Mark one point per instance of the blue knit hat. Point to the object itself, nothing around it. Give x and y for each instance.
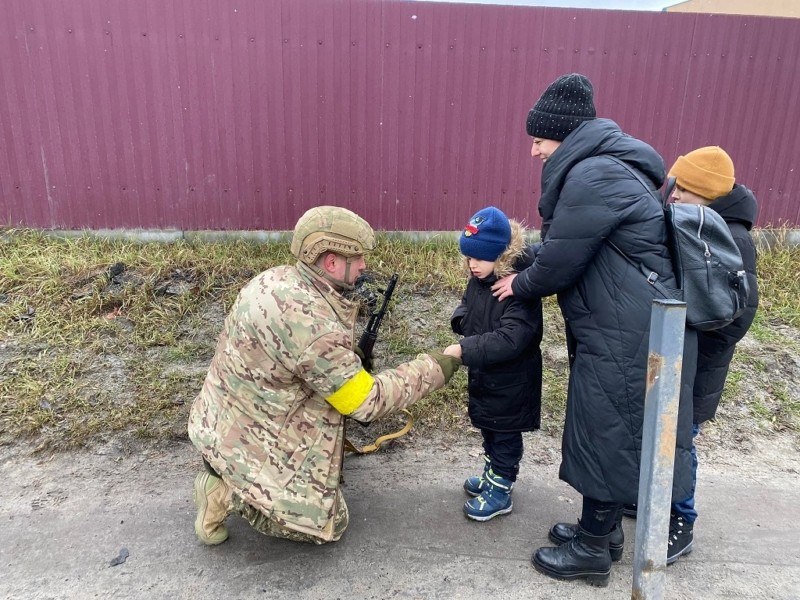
(487, 235)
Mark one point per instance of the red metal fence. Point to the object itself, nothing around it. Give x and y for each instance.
(208, 114)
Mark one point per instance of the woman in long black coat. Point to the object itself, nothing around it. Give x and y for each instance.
(591, 199)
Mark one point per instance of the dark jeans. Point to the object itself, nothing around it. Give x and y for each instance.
(685, 508)
(505, 452)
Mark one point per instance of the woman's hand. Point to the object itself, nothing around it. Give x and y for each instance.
(502, 287)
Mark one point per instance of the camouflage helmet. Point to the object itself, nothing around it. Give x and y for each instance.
(331, 229)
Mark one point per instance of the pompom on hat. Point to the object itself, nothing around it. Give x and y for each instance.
(487, 235)
(564, 105)
(707, 172)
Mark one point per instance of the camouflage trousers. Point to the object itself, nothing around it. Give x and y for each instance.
(268, 526)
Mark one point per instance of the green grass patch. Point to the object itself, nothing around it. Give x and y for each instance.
(778, 281)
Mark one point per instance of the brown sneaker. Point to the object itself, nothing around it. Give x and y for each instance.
(212, 497)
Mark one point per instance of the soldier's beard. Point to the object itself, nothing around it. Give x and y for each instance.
(342, 287)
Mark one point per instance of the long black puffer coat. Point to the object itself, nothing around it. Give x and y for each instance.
(715, 348)
(501, 349)
(587, 199)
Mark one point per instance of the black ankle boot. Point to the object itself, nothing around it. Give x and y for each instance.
(584, 556)
(564, 532)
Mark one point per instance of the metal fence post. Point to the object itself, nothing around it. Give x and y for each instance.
(664, 361)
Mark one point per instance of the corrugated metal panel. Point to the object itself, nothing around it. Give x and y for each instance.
(741, 94)
(215, 115)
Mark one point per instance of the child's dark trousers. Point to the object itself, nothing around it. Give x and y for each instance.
(505, 452)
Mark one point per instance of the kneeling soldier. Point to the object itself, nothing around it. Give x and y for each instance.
(269, 421)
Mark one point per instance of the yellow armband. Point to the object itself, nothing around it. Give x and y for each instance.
(352, 394)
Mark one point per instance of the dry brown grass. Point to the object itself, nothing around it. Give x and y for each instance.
(89, 348)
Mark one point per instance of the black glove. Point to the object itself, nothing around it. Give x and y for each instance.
(449, 364)
(365, 362)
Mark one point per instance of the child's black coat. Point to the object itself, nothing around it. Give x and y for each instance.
(501, 350)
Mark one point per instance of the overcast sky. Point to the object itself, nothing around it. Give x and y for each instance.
(615, 4)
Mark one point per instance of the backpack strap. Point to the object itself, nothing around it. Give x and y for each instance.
(651, 276)
(661, 200)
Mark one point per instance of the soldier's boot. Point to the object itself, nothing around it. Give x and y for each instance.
(212, 497)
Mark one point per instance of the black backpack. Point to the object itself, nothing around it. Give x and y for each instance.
(707, 263)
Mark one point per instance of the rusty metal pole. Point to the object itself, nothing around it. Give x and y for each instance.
(665, 358)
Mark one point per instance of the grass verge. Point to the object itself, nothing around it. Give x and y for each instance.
(98, 336)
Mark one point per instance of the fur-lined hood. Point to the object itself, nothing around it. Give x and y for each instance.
(504, 265)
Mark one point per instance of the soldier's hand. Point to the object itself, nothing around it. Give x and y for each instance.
(448, 363)
(365, 362)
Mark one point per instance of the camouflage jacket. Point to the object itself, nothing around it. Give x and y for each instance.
(264, 418)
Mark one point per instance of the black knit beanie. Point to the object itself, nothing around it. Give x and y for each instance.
(565, 104)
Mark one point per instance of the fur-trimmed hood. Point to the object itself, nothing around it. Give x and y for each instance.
(504, 265)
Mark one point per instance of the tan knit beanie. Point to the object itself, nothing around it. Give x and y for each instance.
(707, 172)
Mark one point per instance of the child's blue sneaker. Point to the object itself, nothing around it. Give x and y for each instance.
(477, 483)
(494, 500)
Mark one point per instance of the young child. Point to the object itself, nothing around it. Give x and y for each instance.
(501, 350)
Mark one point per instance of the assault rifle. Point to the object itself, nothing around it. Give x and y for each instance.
(370, 335)
(365, 346)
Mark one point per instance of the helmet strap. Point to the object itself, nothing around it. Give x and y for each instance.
(339, 284)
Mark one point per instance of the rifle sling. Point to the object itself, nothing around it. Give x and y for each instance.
(350, 447)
